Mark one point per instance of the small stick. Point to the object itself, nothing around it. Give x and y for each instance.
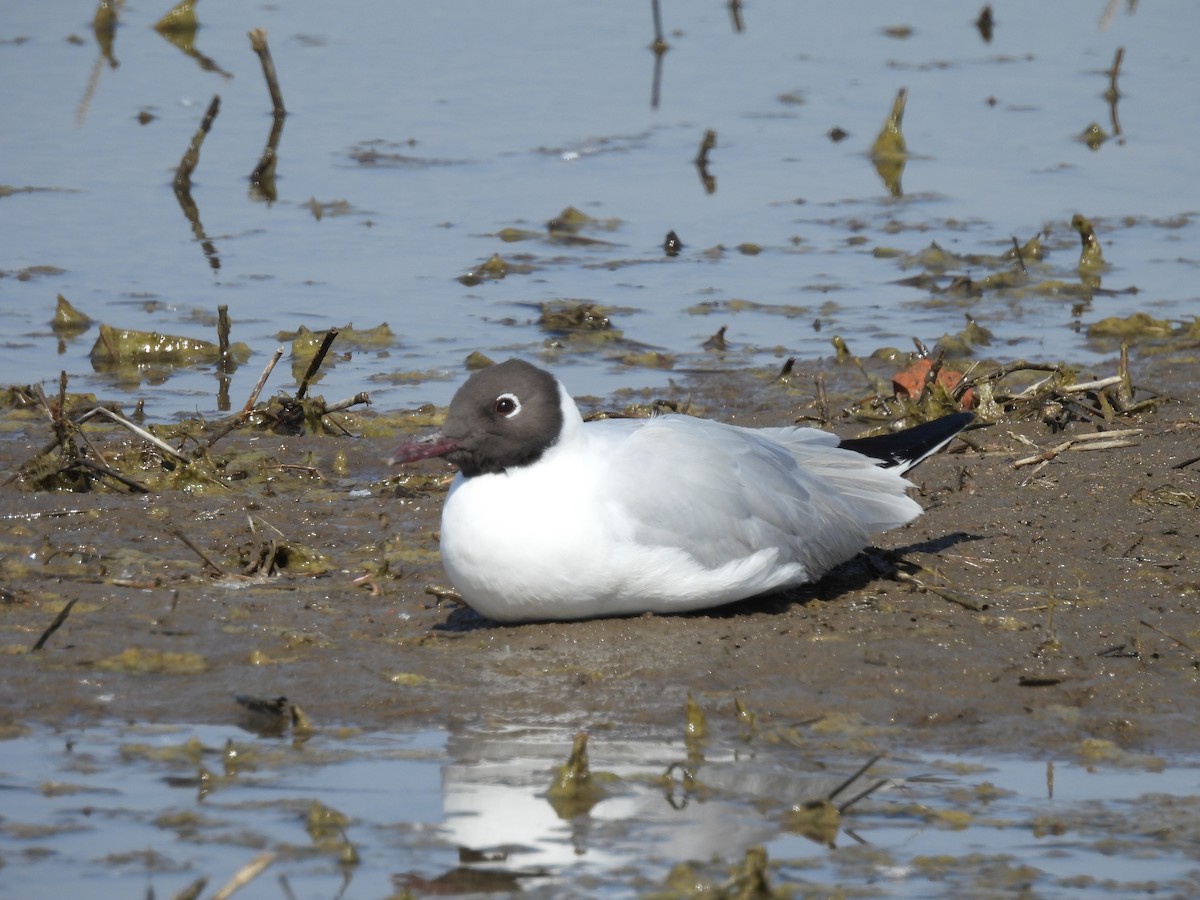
(1125, 388)
(1106, 445)
(941, 592)
(191, 156)
(357, 399)
(1044, 456)
(706, 144)
(1082, 443)
(245, 875)
(1182, 644)
(60, 416)
(258, 43)
(200, 553)
(318, 358)
(114, 474)
(56, 624)
(262, 380)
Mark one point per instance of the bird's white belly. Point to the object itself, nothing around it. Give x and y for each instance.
(517, 551)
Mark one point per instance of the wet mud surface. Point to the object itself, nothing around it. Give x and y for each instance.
(1029, 609)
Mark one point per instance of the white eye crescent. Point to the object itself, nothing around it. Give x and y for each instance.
(508, 405)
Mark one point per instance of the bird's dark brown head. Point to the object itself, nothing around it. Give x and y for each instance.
(504, 416)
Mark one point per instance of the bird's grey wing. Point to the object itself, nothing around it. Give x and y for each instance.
(723, 494)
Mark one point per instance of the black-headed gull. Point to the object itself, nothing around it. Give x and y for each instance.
(552, 518)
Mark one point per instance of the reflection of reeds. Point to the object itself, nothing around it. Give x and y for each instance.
(191, 156)
(262, 179)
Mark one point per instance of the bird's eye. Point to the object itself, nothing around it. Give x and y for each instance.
(508, 405)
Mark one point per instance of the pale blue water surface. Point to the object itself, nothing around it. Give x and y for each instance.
(492, 116)
(118, 811)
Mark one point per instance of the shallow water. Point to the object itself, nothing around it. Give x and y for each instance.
(416, 133)
(115, 811)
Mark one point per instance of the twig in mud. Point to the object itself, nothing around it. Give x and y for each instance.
(200, 553)
(262, 380)
(944, 593)
(315, 363)
(140, 432)
(1099, 440)
(191, 156)
(56, 624)
(111, 473)
(49, 514)
(1186, 646)
(248, 408)
(296, 467)
(245, 875)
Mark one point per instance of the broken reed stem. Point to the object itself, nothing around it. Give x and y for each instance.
(708, 143)
(250, 401)
(1100, 440)
(258, 43)
(56, 624)
(183, 174)
(262, 380)
(357, 399)
(315, 364)
(944, 593)
(200, 553)
(60, 416)
(1098, 384)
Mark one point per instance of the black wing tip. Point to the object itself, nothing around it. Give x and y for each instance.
(905, 449)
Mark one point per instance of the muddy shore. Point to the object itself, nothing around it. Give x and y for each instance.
(1030, 609)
